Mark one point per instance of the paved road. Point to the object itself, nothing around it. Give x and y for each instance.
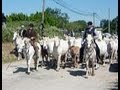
(15, 78)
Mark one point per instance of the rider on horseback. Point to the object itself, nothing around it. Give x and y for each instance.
(22, 31)
(30, 33)
(89, 30)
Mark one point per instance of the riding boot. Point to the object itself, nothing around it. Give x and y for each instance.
(97, 53)
(82, 53)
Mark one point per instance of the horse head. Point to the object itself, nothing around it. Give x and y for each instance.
(26, 42)
(15, 35)
(89, 40)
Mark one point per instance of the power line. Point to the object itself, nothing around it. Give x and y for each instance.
(64, 3)
(72, 10)
(98, 17)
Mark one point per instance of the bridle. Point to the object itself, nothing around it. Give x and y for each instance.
(88, 51)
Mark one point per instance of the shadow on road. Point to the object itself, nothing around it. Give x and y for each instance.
(21, 69)
(113, 67)
(53, 65)
(114, 86)
(77, 73)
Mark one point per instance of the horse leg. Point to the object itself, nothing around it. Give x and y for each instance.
(76, 61)
(42, 62)
(24, 54)
(28, 66)
(87, 69)
(47, 59)
(93, 73)
(64, 63)
(36, 64)
(111, 58)
(114, 55)
(58, 63)
(19, 56)
(96, 64)
(104, 59)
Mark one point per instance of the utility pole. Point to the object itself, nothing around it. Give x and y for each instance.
(42, 23)
(94, 19)
(116, 27)
(109, 20)
(43, 7)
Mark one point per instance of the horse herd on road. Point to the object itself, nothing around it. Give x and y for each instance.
(68, 50)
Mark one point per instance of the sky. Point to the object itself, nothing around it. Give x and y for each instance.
(98, 6)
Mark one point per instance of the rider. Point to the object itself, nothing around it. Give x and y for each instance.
(72, 33)
(22, 31)
(89, 30)
(30, 33)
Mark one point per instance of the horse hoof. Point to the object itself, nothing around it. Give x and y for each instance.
(72, 67)
(96, 68)
(103, 65)
(28, 73)
(86, 77)
(57, 70)
(36, 70)
(93, 74)
(63, 67)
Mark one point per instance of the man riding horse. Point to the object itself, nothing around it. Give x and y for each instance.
(22, 31)
(89, 30)
(32, 35)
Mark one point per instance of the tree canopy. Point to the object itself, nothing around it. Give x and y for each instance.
(113, 25)
(53, 17)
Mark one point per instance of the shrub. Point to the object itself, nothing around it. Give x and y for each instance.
(7, 35)
(53, 31)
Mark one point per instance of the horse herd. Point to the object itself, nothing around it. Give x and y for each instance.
(68, 49)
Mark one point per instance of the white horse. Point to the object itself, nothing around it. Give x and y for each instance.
(29, 53)
(113, 49)
(90, 55)
(24, 46)
(103, 50)
(60, 48)
(18, 41)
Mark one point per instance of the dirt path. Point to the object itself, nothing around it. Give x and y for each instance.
(15, 78)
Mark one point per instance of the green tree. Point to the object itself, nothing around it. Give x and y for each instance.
(113, 25)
